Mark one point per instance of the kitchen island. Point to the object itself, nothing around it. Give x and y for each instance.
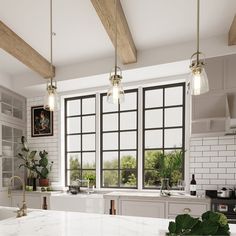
(59, 223)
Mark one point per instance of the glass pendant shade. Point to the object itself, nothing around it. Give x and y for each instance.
(115, 94)
(199, 81)
(51, 98)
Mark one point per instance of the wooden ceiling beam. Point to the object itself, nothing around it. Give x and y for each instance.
(232, 33)
(18, 48)
(125, 45)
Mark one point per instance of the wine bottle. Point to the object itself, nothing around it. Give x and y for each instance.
(45, 206)
(193, 186)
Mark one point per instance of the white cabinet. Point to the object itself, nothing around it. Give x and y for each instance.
(93, 203)
(194, 209)
(33, 199)
(142, 208)
(156, 206)
(12, 127)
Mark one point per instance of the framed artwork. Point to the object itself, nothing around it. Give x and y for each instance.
(41, 122)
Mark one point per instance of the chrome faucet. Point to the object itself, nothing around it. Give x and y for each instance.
(23, 210)
(84, 181)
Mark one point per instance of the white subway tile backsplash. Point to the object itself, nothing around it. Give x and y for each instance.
(226, 141)
(210, 154)
(202, 148)
(226, 153)
(226, 176)
(218, 170)
(209, 164)
(213, 160)
(196, 142)
(49, 143)
(218, 148)
(211, 142)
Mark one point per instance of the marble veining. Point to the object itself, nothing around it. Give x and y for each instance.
(59, 223)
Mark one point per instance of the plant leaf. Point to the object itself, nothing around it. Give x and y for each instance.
(209, 227)
(32, 154)
(172, 227)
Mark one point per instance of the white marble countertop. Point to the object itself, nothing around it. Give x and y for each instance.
(174, 195)
(59, 223)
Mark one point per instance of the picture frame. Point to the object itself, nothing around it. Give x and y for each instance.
(41, 122)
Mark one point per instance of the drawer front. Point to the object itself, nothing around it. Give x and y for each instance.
(193, 209)
(142, 208)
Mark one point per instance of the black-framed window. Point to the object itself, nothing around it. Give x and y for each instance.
(80, 132)
(163, 133)
(119, 142)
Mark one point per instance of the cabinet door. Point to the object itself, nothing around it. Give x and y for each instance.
(31, 201)
(194, 209)
(142, 208)
(230, 69)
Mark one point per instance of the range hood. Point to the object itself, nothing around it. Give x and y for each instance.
(230, 124)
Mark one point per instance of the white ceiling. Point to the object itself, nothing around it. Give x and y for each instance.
(80, 36)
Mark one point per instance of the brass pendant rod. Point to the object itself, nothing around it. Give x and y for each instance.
(115, 37)
(198, 29)
(51, 48)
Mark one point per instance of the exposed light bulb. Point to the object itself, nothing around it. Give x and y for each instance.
(51, 99)
(199, 81)
(115, 94)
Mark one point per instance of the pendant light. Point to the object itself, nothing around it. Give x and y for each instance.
(115, 93)
(51, 98)
(199, 80)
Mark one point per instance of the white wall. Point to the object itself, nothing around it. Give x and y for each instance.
(50, 143)
(6, 81)
(213, 161)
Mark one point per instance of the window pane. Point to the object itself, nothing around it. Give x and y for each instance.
(110, 178)
(128, 140)
(128, 160)
(176, 158)
(128, 120)
(153, 139)
(17, 134)
(90, 175)
(130, 102)
(152, 159)
(173, 138)
(110, 122)
(73, 125)
(151, 179)
(110, 160)
(88, 160)
(88, 106)
(73, 143)
(88, 123)
(73, 176)
(154, 98)
(74, 161)
(73, 107)
(128, 178)
(174, 96)
(110, 141)
(153, 118)
(7, 164)
(7, 133)
(108, 107)
(173, 116)
(88, 142)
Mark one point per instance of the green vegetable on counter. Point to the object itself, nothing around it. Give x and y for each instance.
(211, 223)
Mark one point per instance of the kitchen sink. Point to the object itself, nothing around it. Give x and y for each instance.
(7, 213)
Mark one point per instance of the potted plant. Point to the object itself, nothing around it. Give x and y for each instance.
(211, 223)
(29, 162)
(43, 168)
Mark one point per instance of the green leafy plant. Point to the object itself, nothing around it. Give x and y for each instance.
(211, 223)
(44, 167)
(28, 159)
